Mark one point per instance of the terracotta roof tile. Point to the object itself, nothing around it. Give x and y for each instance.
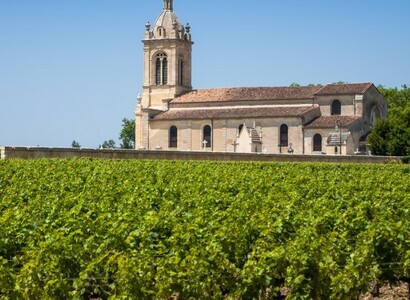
(344, 89)
(225, 113)
(330, 121)
(247, 94)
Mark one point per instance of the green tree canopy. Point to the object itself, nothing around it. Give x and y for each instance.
(392, 136)
(398, 99)
(127, 134)
(75, 144)
(110, 144)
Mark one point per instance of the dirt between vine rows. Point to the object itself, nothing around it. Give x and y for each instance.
(387, 292)
(400, 292)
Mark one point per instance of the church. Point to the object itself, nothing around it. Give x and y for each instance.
(333, 119)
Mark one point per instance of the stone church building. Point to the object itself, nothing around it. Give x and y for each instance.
(171, 115)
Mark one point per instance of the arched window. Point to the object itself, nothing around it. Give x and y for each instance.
(374, 115)
(284, 129)
(161, 32)
(317, 142)
(336, 109)
(161, 69)
(181, 70)
(158, 71)
(173, 137)
(207, 136)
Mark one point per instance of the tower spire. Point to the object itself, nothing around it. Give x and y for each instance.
(168, 5)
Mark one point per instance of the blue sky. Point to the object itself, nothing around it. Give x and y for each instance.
(71, 69)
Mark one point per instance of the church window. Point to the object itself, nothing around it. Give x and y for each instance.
(336, 109)
(165, 71)
(317, 142)
(161, 32)
(158, 71)
(161, 69)
(207, 136)
(181, 71)
(173, 137)
(284, 130)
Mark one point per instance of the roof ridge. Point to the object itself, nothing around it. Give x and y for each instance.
(257, 87)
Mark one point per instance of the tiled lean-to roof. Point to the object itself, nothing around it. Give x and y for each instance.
(244, 112)
(254, 135)
(334, 139)
(331, 121)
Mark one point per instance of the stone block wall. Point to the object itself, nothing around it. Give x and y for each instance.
(38, 153)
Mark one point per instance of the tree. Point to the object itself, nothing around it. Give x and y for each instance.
(392, 136)
(127, 134)
(110, 144)
(398, 99)
(75, 144)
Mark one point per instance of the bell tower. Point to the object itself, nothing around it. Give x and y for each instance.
(167, 59)
(167, 68)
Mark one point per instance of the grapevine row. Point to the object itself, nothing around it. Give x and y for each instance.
(81, 228)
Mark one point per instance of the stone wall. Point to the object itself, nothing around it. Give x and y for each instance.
(38, 152)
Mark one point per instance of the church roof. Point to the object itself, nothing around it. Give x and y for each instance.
(247, 94)
(270, 93)
(244, 112)
(330, 121)
(344, 89)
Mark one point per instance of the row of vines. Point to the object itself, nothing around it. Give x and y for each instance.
(82, 228)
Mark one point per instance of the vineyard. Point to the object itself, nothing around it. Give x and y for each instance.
(112, 229)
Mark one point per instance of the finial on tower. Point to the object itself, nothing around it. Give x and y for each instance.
(168, 5)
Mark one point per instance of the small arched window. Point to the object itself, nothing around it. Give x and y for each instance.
(336, 109)
(161, 32)
(284, 139)
(161, 69)
(317, 142)
(173, 137)
(207, 136)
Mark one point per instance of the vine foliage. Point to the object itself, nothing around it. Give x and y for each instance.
(81, 228)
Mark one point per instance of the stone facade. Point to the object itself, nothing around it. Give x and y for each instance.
(170, 115)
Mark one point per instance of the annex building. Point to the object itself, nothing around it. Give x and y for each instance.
(171, 115)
